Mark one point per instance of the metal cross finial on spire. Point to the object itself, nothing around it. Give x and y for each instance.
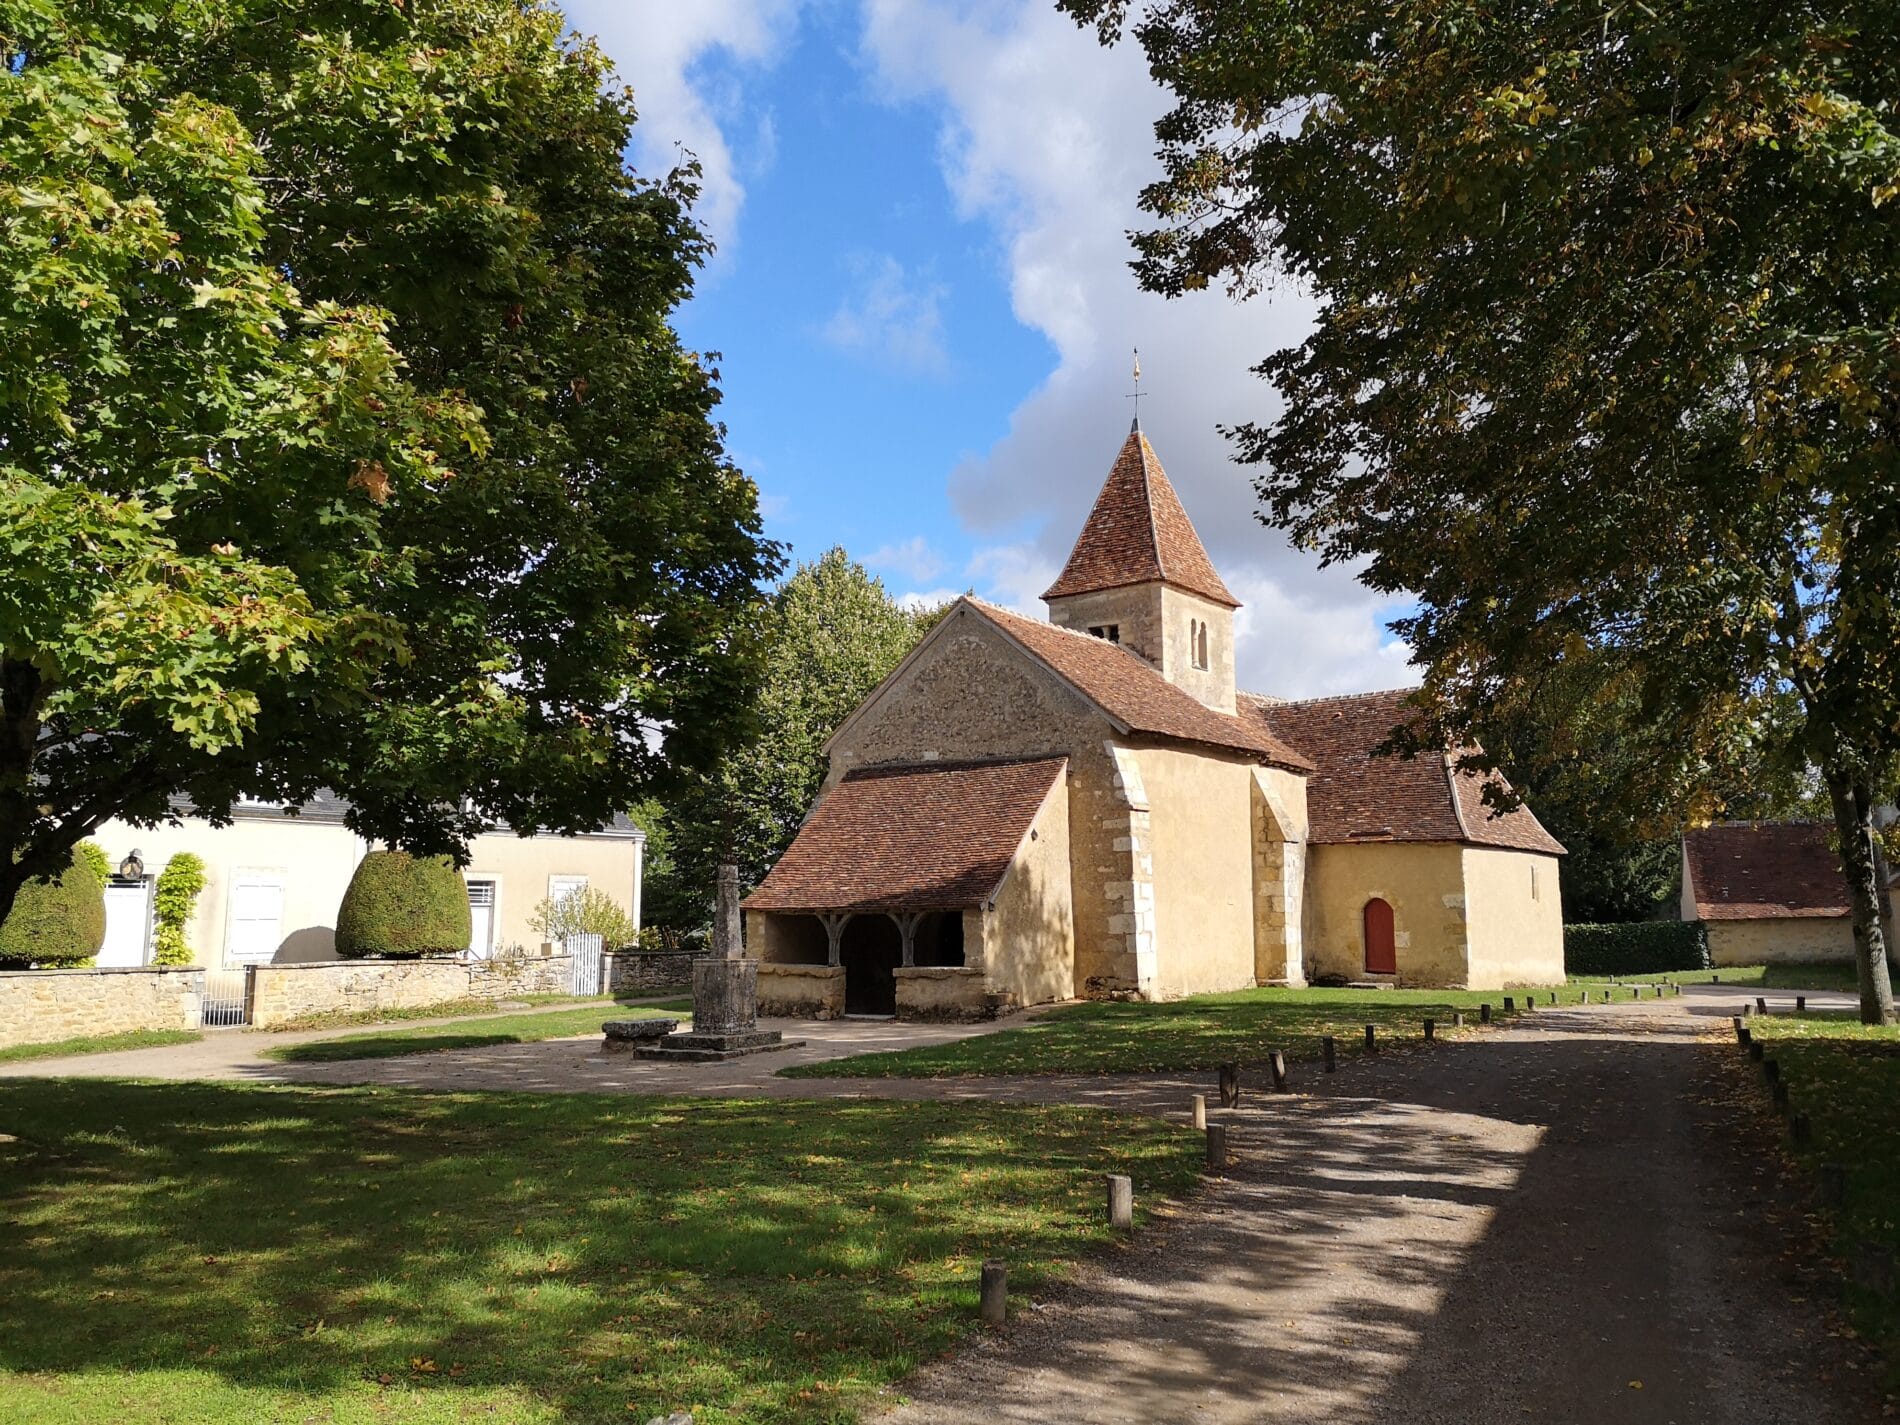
(1135, 395)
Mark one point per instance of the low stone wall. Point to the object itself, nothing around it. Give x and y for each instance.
(944, 993)
(288, 994)
(626, 972)
(801, 991)
(41, 1006)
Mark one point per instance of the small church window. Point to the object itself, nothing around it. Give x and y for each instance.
(1534, 889)
(1109, 632)
(1197, 643)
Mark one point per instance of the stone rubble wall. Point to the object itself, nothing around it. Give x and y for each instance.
(647, 971)
(43, 1006)
(801, 991)
(289, 994)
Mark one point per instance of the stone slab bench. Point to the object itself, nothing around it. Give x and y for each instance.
(624, 1034)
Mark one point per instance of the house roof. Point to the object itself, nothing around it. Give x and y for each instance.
(923, 836)
(1134, 694)
(1764, 870)
(1355, 796)
(1138, 533)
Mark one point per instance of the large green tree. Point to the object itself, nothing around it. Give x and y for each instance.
(831, 634)
(344, 439)
(1606, 360)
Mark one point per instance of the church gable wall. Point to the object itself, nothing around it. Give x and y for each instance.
(971, 694)
(1515, 909)
(1423, 882)
(1200, 810)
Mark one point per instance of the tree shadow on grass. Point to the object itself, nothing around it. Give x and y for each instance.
(558, 1256)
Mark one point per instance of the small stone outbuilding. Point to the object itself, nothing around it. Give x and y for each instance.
(1768, 892)
(1089, 807)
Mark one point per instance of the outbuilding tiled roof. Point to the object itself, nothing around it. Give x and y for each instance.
(1133, 693)
(1765, 870)
(1355, 796)
(1138, 533)
(917, 837)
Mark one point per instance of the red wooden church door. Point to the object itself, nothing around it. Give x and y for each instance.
(1382, 956)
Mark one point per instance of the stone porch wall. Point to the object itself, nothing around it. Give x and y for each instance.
(805, 991)
(946, 994)
(42, 1006)
(287, 994)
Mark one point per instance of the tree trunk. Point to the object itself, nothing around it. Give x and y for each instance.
(1854, 819)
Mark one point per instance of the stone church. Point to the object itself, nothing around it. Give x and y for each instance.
(1088, 808)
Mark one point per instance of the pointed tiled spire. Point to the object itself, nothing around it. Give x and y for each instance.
(1139, 534)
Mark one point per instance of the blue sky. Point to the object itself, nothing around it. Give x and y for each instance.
(923, 308)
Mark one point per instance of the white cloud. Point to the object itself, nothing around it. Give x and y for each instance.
(892, 316)
(1014, 575)
(655, 46)
(917, 601)
(913, 558)
(1048, 138)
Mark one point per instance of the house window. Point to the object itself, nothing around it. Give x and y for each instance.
(1108, 632)
(559, 886)
(256, 926)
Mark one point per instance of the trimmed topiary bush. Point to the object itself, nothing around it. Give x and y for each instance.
(56, 923)
(96, 857)
(1644, 947)
(400, 907)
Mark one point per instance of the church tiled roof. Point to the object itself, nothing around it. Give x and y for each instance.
(1765, 870)
(1138, 533)
(1134, 694)
(1355, 796)
(924, 836)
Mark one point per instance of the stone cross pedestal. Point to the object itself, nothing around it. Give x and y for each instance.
(725, 994)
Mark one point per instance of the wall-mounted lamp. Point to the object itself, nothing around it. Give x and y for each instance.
(132, 868)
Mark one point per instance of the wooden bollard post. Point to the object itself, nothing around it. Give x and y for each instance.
(1327, 1052)
(993, 1293)
(1429, 1027)
(1800, 1131)
(1741, 1030)
(1530, 1001)
(1276, 1065)
(1833, 1185)
(1229, 1085)
(1761, 1005)
(1754, 1048)
(1121, 1202)
(1457, 1020)
(1200, 1110)
(1484, 1013)
(1800, 1004)
(1372, 1038)
(1747, 1036)
(1217, 1147)
(1676, 991)
(1553, 996)
(1510, 1005)
(1715, 979)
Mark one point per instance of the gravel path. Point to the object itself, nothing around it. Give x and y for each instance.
(1538, 1224)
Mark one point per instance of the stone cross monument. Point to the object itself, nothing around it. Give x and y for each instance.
(725, 993)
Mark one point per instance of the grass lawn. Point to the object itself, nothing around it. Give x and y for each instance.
(1768, 977)
(217, 1253)
(100, 1044)
(1196, 1033)
(346, 1019)
(1846, 1077)
(502, 1029)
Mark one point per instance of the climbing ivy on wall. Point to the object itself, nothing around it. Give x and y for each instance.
(173, 901)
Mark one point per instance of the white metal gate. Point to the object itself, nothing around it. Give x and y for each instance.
(227, 1000)
(584, 964)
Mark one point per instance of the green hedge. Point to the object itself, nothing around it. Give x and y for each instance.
(400, 907)
(56, 923)
(1640, 948)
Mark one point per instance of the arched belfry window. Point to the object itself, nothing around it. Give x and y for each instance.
(1201, 648)
(1197, 643)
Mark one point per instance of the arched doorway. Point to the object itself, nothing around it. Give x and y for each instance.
(1382, 956)
(870, 952)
